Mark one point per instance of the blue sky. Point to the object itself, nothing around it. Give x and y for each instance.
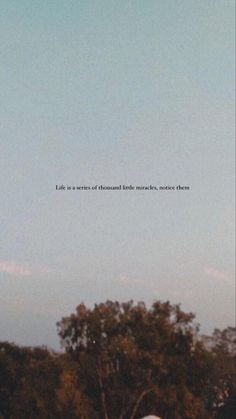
(108, 92)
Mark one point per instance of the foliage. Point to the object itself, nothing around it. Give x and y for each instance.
(133, 360)
(121, 361)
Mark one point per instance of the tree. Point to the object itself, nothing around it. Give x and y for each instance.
(132, 360)
(224, 354)
(36, 383)
(28, 378)
(122, 361)
(72, 403)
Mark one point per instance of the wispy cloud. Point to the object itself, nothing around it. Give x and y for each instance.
(15, 269)
(144, 282)
(216, 273)
(129, 280)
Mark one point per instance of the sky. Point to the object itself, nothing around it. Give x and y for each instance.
(107, 92)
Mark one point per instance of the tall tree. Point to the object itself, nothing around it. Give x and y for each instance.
(132, 359)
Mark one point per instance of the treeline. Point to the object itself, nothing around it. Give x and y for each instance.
(122, 361)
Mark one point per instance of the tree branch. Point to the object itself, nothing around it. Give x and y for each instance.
(138, 401)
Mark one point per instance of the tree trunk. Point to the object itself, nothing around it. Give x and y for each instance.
(103, 395)
(123, 410)
(138, 401)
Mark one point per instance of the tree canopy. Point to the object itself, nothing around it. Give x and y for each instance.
(134, 361)
(122, 361)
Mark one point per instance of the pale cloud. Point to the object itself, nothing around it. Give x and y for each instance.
(216, 273)
(129, 280)
(15, 269)
(24, 269)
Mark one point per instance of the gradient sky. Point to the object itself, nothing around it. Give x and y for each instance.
(115, 92)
